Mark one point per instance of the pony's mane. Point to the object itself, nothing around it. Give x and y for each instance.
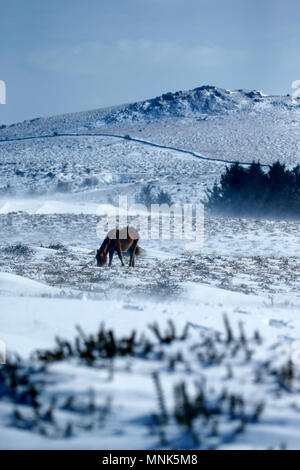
(104, 246)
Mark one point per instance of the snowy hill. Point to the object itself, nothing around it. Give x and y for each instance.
(240, 125)
(175, 139)
(204, 100)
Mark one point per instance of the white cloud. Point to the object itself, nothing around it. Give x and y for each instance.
(99, 58)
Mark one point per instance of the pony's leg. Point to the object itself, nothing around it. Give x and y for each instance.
(119, 251)
(132, 254)
(131, 262)
(111, 255)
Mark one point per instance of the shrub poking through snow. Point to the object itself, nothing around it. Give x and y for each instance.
(194, 408)
(18, 249)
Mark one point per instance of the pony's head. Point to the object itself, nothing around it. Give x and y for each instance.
(101, 258)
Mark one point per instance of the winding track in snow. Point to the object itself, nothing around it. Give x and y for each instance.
(131, 139)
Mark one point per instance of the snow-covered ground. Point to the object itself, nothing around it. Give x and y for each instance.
(49, 284)
(225, 383)
(124, 391)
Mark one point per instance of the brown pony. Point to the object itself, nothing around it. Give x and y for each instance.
(117, 240)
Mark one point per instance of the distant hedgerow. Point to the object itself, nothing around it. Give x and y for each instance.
(244, 192)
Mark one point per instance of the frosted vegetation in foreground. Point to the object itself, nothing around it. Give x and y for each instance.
(209, 390)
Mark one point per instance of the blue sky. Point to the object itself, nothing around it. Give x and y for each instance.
(60, 56)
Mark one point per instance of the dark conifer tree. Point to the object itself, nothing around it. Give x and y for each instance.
(256, 193)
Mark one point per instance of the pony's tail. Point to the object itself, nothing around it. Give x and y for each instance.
(139, 251)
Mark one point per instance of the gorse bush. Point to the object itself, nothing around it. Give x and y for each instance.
(163, 198)
(145, 196)
(18, 249)
(149, 195)
(245, 192)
